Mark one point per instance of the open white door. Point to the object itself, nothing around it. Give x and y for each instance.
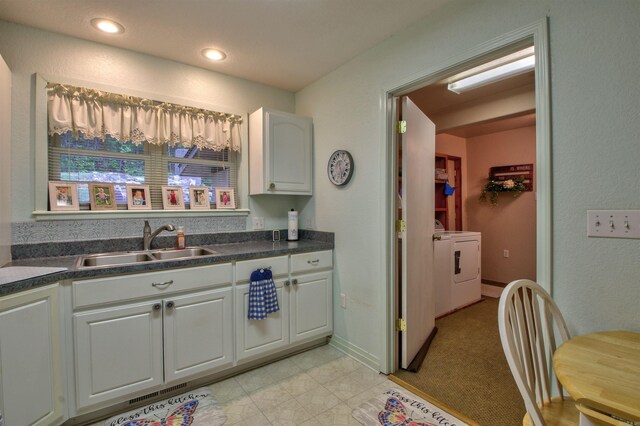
(418, 304)
(5, 163)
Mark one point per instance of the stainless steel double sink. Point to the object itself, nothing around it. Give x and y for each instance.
(134, 257)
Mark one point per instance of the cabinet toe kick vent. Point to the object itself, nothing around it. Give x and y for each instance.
(143, 397)
(157, 393)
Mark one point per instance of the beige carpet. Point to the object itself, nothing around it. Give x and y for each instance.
(465, 368)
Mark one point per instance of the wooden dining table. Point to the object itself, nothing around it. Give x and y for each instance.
(601, 372)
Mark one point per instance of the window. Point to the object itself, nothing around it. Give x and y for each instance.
(97, 136)
(81, 160)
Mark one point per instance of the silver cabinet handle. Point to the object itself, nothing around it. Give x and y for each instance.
(272, 185)
(170, 305)
(287, 283)
(157, 307)
(313, 262)
(294, 281)
(162, 284)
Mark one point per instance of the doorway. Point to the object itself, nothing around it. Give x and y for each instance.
(536, 35)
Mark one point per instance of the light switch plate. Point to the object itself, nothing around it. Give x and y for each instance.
(613, 223)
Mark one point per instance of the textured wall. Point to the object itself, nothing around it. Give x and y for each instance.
(27, 51)
(595, 100)
(511, 225)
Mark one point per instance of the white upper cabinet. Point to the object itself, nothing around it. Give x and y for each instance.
(280, 153)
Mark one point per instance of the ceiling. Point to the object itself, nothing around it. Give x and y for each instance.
(501, 124)
(436, 99)
(282, 43)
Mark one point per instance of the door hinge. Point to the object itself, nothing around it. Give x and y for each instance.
(436, 237)
(402, 126)
(401, 325)
(401, 225)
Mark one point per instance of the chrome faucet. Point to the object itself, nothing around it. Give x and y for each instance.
(148, 236)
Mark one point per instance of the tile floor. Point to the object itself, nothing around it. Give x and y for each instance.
(317, 387)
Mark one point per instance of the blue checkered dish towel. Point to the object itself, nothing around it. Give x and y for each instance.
(263, 299)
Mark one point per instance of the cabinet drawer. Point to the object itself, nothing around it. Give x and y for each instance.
(153, 284)
(311, 261)
(279, 267)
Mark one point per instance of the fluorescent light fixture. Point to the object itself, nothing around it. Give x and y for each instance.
(107, 26)
(214, 54)
(495, 74)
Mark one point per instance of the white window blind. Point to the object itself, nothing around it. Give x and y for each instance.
(76, 159)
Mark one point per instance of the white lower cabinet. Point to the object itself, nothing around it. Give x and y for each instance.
(125, 350)
(197, 333)
(139, 333)
(256, 338)
(31, 367)
(310, 306)
(304, 297)
(118, 351)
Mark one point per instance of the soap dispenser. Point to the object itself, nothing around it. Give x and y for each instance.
(180, 238)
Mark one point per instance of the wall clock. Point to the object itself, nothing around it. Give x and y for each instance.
(340, 167)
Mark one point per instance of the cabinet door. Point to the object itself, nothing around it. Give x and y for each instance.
(30, 363)
(198, 333)
(257, 337)
(289, 153)
(280, 153)
(311, 303)
(118, 352)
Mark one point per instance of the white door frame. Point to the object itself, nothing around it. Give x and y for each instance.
(536, 33)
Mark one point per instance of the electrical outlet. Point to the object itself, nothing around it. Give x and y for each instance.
(343, 300)
(258, 222)
(309, 223)
(505, 253)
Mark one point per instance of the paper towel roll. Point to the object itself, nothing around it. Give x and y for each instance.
(292, 235)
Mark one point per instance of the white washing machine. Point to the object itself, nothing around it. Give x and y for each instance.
(457, 269)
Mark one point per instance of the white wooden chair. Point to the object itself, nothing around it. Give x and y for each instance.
(531, 328)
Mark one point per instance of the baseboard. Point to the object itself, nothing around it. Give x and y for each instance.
(494, 283)
(416, 363)
(355, 352)
(491, 290)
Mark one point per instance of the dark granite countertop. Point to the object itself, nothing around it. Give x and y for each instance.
(224, 252)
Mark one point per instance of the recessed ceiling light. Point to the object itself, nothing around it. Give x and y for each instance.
(107, 25)
(214, 54)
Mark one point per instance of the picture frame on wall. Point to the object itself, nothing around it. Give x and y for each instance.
(199, 198)
(225, 198)
(138, 197)
(172, 198)
(63, 196)
(102, 196)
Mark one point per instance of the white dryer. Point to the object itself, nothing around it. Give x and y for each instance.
(457, 274)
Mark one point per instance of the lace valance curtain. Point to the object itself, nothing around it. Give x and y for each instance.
(126, 118)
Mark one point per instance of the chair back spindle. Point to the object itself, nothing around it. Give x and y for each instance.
(531, 326)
